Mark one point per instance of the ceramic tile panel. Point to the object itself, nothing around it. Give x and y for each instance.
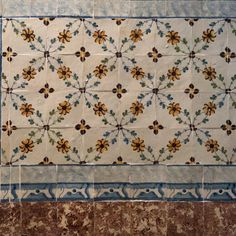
(118, 100)
(117, 117)
(106, 91)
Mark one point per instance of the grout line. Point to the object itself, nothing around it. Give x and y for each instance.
(203, 183)
(20, 183)
(118, 16)
(10, 184)
(56, 182)
(93, 15)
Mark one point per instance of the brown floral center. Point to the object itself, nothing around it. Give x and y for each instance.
(192, 54)
(46, 54)
(9, 90)
(192, 127)
(46, 127)
(82, 90)
(118, 54)
(155, 90)
(119, 127)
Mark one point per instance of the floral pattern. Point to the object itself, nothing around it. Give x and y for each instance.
(118, 91)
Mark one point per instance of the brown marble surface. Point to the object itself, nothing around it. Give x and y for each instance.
(118, 218)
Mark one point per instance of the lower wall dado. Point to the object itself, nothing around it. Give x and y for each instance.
(118, 218)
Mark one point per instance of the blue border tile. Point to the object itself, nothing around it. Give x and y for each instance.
(121, 191)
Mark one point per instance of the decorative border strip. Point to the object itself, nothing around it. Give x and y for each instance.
(86, 183)
(119, 8)
(119, 191)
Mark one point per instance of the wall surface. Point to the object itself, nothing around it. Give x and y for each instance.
(118, 117)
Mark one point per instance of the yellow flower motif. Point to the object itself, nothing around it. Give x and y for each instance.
(29, 73)
(65, 36)
(136, 108)
(100, 109)
(136, 35)
(26, 146)
(100, 71)
(174, 109)
(28, 35)
(174, 74)
(64, 72)
(27, 109)
(138, 145)
(173, 37)
(63, 146)
(209, 35)
(174, 145)
(209, 108)
(64, 108)
(102, 145)
(209, 73)
(99, 36)
(137, 73)
(212, 145)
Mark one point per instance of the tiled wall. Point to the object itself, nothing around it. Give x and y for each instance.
(162, 72)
